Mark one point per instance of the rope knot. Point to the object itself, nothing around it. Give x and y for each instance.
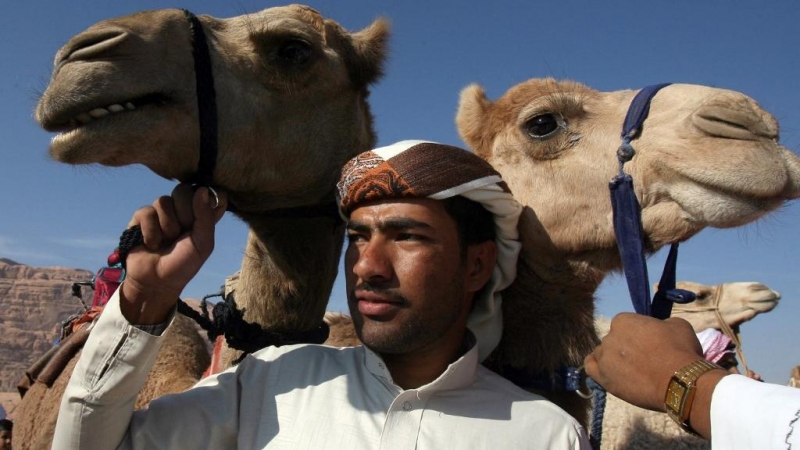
(625, 151)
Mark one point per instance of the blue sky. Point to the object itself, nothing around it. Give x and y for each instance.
(56, 215)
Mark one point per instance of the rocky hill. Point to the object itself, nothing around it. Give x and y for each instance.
(34, 302)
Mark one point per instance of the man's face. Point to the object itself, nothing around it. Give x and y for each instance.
(405, 276)
(5, 440)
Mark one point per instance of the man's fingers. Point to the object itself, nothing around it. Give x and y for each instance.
(208, 209)
(182, 195)
(167, 218)
(148, 221)
(591, 367)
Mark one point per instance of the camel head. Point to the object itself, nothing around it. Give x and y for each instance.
(291, 89)
(705, 157)
(737, 303)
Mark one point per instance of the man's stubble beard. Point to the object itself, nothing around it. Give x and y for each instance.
(414, 332)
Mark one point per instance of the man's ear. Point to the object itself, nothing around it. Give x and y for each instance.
(481, 259)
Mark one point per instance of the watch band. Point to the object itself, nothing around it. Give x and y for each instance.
(681, 391)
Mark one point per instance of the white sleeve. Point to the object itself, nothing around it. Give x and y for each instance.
(749, 414)
(98, 402)
(97, 409)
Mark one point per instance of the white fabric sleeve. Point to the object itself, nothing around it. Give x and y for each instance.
(98, 401)
(748, 414)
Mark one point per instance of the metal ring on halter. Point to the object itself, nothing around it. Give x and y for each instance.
(212, 191)
(589, 391)
(216, 196)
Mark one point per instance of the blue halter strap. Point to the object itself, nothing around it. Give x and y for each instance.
(628, 230)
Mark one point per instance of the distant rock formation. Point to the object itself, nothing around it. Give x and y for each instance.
(33, 303)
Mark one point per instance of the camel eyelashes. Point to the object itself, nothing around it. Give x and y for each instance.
(544, 126)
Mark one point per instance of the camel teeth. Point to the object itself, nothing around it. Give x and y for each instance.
(130, 106)
(99, 112)
(116, 108)
(84, 118)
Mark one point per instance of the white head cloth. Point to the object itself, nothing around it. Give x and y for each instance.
(437, 171)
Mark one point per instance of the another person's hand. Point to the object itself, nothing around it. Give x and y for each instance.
(637, 358)
(178, 233)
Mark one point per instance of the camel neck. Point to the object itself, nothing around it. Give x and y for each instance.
(299, 257)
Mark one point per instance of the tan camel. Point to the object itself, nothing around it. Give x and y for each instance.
(706, 157)
(736, 302)
(291, 95)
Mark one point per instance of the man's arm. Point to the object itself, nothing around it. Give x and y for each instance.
(638, 357)
(178, 236)
(640, 354)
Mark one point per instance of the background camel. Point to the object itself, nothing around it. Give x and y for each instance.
(736, 302)
(706, 157)
(291, 90)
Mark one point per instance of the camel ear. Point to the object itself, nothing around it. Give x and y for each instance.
(370, 47)
(471, 119)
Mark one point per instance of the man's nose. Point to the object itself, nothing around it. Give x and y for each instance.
(374, 262)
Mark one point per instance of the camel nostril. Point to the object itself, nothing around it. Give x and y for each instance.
(89, 45)
(742, 119)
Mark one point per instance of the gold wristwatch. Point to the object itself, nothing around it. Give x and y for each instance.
(681, 391)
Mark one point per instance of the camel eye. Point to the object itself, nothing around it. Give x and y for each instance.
(543, 126)
(294, 52)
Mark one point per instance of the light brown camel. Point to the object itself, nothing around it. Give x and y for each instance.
(736, 302)
(291, 97)
(706, 157)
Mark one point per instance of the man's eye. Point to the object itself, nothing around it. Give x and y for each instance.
(353, 238)
(408, 237)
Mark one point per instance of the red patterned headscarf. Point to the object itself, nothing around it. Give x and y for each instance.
(421, 169)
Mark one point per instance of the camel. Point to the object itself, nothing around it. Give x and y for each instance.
(705, 157)
(736, 302)
(291, 91)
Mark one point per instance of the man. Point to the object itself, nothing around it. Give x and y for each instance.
(641, 355)
(6, 429)
(432, 239)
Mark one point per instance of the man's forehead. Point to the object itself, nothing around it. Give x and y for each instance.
(418, 212)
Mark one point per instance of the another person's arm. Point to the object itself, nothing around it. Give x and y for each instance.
(639, 356)
(97, 406)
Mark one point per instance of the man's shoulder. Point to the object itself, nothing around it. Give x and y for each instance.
(506, 391)
(306, 351)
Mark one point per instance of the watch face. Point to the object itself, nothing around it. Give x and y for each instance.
(675, 395)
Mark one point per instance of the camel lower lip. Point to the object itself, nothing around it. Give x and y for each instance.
(376, 309)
